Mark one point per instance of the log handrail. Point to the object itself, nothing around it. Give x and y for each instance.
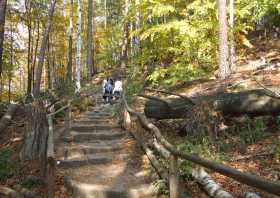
(51, 162)
(245, 178)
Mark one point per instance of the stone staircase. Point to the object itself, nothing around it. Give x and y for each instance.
(101, 160)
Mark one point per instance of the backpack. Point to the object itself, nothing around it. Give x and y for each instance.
(108, 87)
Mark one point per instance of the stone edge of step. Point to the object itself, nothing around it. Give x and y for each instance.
(79, 189)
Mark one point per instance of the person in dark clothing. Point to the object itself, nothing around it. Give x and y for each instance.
(108, 90)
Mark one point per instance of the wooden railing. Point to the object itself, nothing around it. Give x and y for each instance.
(51, 162)
(174, 155)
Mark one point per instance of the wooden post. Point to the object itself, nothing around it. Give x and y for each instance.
(50, 177)
(50, 149)
(67, 121)
(50, 166)
(173, 177)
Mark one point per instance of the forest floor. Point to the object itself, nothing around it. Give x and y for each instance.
(250, 144)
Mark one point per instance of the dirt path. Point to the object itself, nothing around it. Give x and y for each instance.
(101, 160)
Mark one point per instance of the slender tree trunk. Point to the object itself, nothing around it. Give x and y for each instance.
(78, 54)
(232, 43)
(49, 84)
(1, 88)
(126, 41)
(35, 53)
(29, 59)
(105, 13)
(11, 62)
(52, 65)
(224, 69)
(70, 47)
(90, 41)
(43, 49)
(137, 25)
(3, 5)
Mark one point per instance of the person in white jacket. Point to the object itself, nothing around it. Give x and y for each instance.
(103, 85)
(117, 91)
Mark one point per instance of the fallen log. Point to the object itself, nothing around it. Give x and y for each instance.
(252, 103)
(245, 178)
(6, 119)
(251, 195)
(208, 184)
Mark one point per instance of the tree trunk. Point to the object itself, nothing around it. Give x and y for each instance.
(224, 69)
(49, 67)
(43, 49)
(70, 47)
(208, 184)
(126, 41)
(36, 135)
(90, 41)
(29, 54)
(29, 70)
(3, 5)
(137, 25)
(232, 43)
(32, 81)
(253, 103)
(11, 62)
(105, 14)
(78, 53)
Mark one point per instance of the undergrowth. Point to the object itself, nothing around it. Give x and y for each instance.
(7, 166)
(32, 182)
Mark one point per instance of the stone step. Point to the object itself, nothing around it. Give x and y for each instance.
(83, 161)
(86, 121)
(79, 159)
(92, 137)
(95, 117)
(93, 127)
(84, 190)
(97, 113)
(80, 150)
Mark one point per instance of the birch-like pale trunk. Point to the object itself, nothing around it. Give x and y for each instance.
(70, 46)
(78, 48)
(43, 50)
(224, 69)
(90, 41)
(208, 184)
(232, 43)
(33, 67)
(29, 53)
(137, 23)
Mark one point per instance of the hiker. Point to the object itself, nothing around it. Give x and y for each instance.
(117, 91)
(103, 85)
(108, 90)
(111, 81)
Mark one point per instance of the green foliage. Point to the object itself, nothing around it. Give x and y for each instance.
(205, 149)
(81, 103)
(32, 182)
(132, 88)
(161, 186)
(277, 149)
(7, 166)
(253, 132)
(277, 119)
